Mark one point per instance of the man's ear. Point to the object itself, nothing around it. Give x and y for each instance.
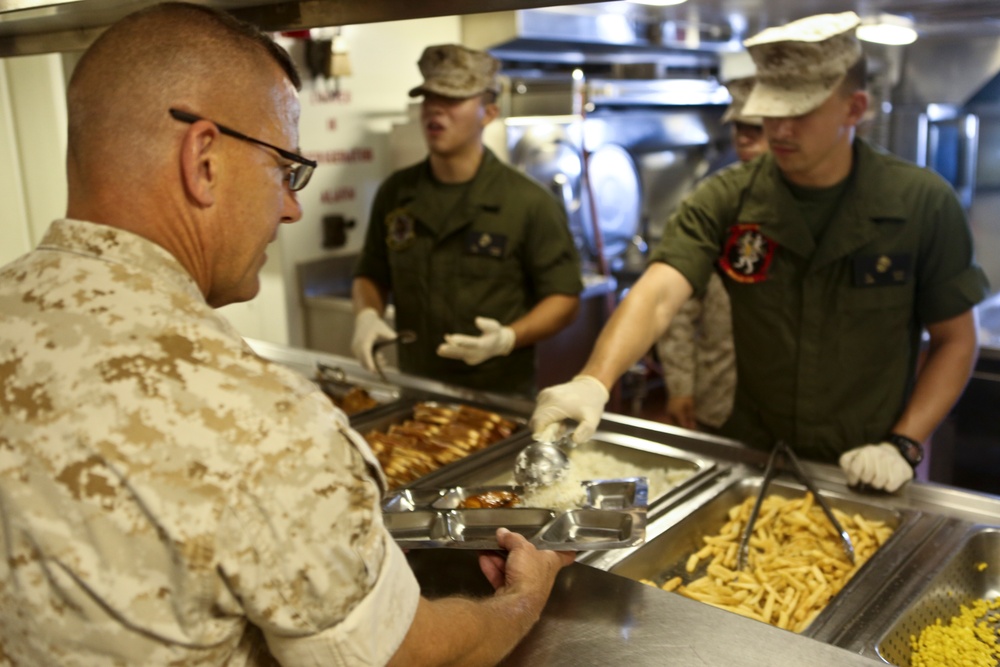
(199, 162)
(490, 113)
(857, 106)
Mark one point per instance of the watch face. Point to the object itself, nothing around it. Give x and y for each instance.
(911, 451)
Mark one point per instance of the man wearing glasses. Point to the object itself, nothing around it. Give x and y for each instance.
(166, 496)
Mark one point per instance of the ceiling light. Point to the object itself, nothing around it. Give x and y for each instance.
(657, 3)
(887, 29)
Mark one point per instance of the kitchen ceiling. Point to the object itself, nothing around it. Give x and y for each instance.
(39, 26)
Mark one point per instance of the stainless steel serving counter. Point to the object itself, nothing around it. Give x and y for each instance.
(596, 617)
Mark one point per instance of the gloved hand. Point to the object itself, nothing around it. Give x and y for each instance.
(880, 466)
(496, 341)
(369, 328)
(582, 399)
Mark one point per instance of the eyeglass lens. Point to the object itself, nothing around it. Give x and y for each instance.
(299, 177)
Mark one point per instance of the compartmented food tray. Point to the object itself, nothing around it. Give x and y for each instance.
(357, 398)
(970, 572)
(611, 514)
(417, 438)
(668, 470)
(666, 557)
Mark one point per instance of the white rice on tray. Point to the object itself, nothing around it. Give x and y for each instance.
(568, 493)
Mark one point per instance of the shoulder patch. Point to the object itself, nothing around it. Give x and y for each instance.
(747, 253)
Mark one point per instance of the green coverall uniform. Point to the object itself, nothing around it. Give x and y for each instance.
(503, 248)
(827, 331)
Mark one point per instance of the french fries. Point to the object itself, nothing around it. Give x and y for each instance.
(795, 564)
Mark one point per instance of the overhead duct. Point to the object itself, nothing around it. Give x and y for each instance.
(595, 35)
(947, 69)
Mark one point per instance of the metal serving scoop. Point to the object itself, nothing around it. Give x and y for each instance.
(542, 463)
(402, 337)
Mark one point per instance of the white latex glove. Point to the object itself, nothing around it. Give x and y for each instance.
(582, 399)
(496, 341)
(369, 328)
(880, 466)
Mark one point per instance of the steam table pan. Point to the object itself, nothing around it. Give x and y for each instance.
(665, 556)
(336, 384)
(971, 571)
(612, 516)
(669, 471)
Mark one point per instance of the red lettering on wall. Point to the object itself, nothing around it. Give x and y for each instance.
(330, 96)
(334, 195)
(345, 156)
(331, 124)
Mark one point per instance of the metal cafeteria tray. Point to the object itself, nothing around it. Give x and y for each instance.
(645, 458)
(666, 555)
(336, 384)
(969, 572)
(612, 516)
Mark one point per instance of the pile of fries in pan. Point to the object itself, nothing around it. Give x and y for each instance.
(796, 561)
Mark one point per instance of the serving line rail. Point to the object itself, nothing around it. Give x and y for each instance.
(597, 617)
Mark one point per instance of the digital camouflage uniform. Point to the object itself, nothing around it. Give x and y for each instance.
(161, 486)
(504, 248)
(827, 334)
(697, 355)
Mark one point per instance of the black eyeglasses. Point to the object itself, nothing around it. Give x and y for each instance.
(300, 173)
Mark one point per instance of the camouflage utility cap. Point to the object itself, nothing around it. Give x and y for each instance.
(800, 64)
(455, 71)
(739, 90)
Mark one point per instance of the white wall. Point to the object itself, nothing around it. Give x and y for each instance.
(32, 150)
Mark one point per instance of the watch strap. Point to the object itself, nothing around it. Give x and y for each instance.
(911, 450)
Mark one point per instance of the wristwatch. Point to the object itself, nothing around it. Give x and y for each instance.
(911, 450)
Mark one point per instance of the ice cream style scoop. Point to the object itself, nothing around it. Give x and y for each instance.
(543, 462)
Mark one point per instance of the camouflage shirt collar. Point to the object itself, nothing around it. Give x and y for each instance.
(118, 246)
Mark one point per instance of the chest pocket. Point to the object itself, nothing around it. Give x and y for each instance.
(486, 256)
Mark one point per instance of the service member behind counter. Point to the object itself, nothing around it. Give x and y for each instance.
(477, 256)
(168, 497)
(835, 256)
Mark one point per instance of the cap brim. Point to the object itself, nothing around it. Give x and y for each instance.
(445, 91)
(768, 100)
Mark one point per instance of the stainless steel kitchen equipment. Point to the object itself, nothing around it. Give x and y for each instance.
(623, 166)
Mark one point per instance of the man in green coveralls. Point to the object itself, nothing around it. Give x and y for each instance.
(836, 257)
(478, 257)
